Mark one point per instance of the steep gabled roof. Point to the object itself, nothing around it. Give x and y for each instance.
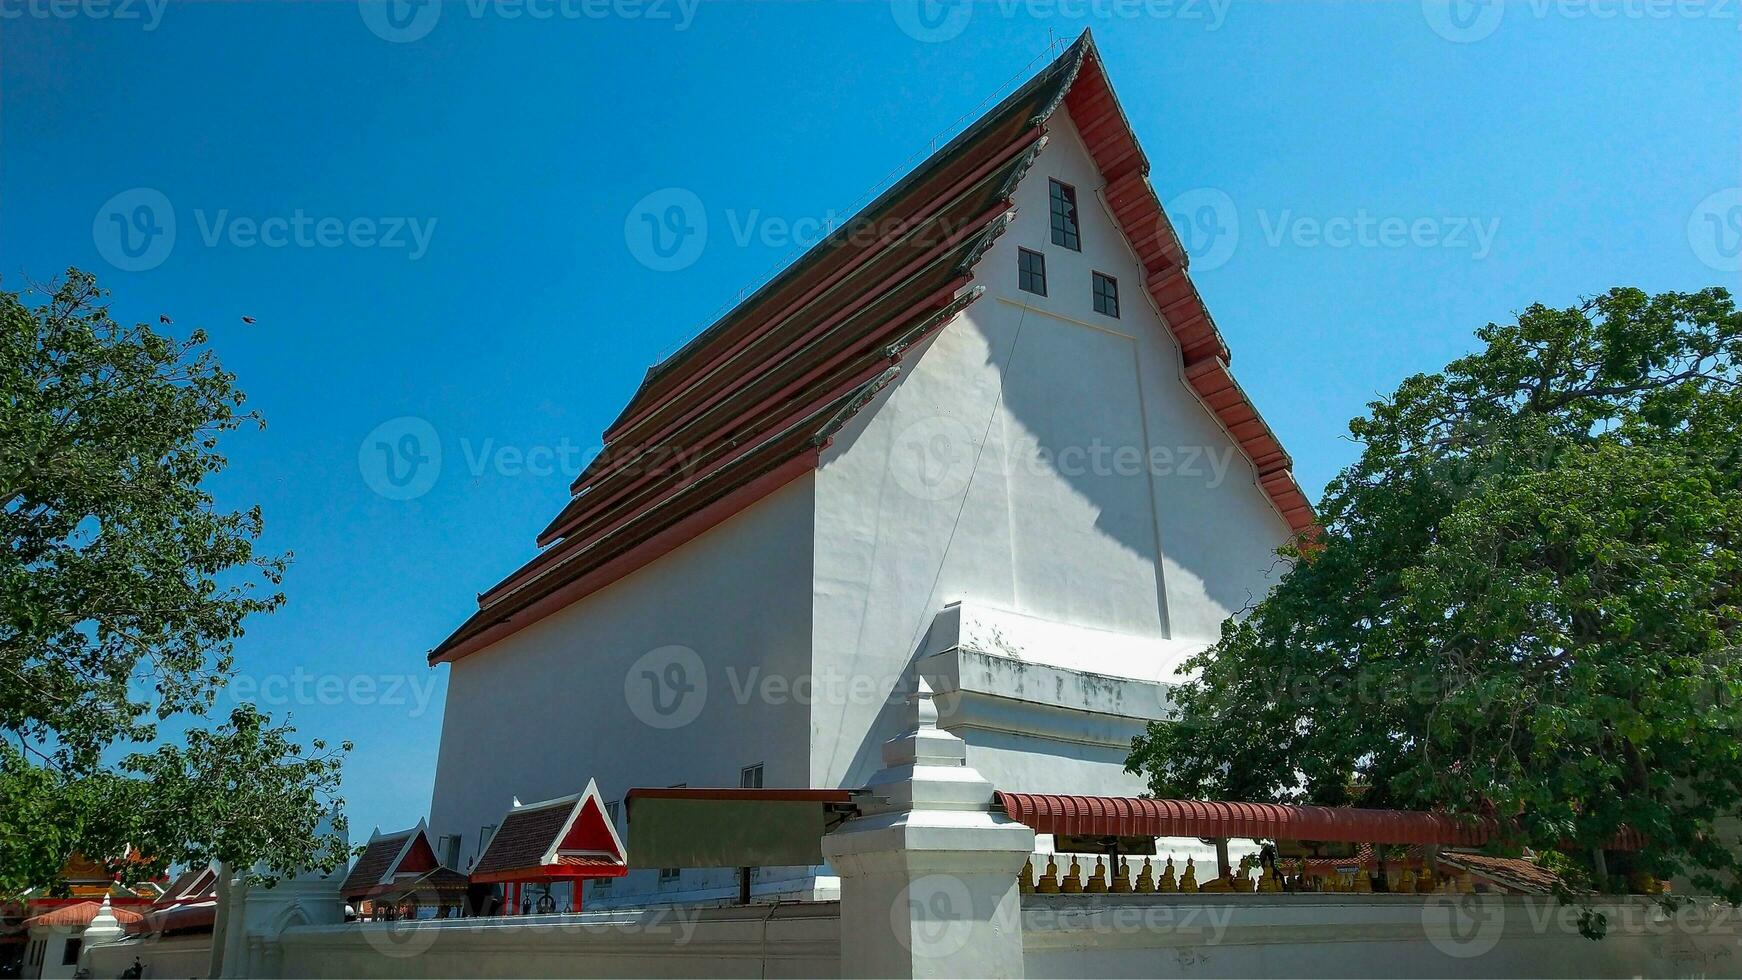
(568, 837)
(751, 403)
(193, 885)
(390, 856)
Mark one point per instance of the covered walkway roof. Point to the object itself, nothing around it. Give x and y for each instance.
(1124, 816)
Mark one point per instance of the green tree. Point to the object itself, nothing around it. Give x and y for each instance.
(1522, 605)
(122, 592)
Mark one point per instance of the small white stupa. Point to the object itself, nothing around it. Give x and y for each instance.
(104, 927)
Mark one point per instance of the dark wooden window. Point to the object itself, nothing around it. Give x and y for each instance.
(1064, 216)
(1106, 295)
(1031, 272)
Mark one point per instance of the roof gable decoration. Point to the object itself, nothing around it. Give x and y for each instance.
(567, 837)
(415, 856)
(388, 856)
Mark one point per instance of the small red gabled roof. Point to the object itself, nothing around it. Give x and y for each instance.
(568, 837)
(389, 857)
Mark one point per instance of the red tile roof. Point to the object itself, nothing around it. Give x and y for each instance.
(1130, 816)
(523, 838)
(81, 915)
(563, 838)
(1517, 874)
(378, 855)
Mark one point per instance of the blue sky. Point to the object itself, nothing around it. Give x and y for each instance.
(435, 216)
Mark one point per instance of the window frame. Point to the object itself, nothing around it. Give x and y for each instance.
(1024, 275)
(1064, 217)
(1107, 296)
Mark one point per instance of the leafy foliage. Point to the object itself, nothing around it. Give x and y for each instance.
(122, 592)
(1523, 603)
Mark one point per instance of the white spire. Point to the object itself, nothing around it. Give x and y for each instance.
(104, 927)
(926, 767)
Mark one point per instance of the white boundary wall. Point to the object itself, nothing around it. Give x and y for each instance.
(1210, 936)
(1368, 936)
(797, 940)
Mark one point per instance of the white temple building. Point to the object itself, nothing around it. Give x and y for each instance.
(984, 434)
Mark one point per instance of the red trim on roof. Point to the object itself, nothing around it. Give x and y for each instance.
(1126, 816)
(1111, 142)
(1133, 817)
(656, 547)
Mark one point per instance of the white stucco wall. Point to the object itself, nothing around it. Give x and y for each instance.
(178, 956)
(786, 941)
(55, 941)
(540, 712)
(1207, 936)
(1036, 457)
(1374, 936)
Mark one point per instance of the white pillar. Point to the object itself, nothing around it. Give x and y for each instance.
(928, 871)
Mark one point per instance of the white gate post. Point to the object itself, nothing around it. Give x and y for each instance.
(928, 871)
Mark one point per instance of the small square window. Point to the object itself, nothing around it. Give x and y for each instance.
(1106, 295)
(750, 777)
(1063, 198)
(70, 955)
(1031, 272)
